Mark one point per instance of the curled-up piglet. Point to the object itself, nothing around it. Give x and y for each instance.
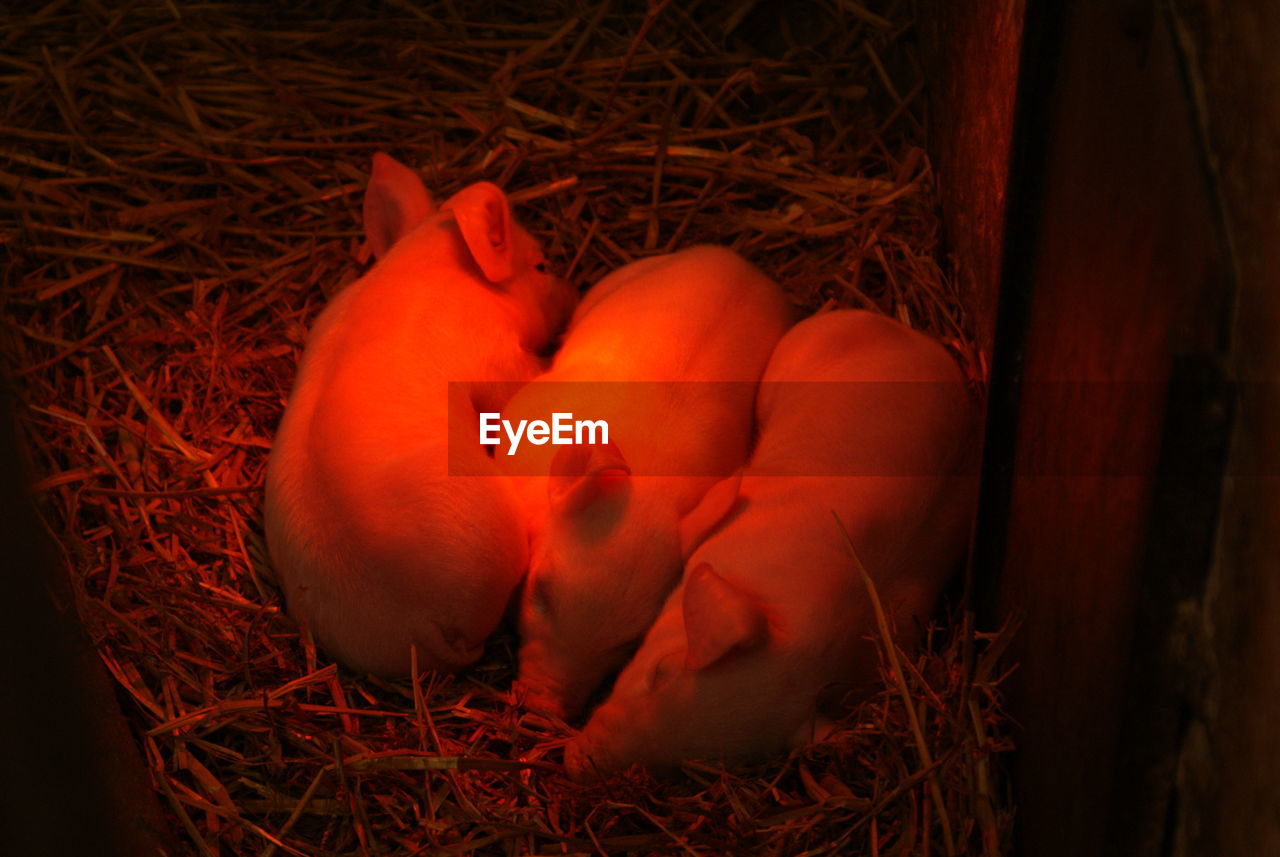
(382, 539)
(859, 416)
(668, 352)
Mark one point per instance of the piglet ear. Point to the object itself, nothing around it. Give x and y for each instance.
(394, 203)
(719, 618)
(484, 219)
(710, 511)
(582, 474)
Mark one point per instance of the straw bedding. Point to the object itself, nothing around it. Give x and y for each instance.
(183, 183)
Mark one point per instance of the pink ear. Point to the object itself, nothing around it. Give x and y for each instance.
(718, 618)
(581, 474)
(711, 510)
(484, 219)
(394, 203)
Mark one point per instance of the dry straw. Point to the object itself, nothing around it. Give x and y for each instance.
(183, 183)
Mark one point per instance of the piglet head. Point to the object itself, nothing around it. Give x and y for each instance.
(506, 256)
(511, 260)
(599, 572)
(708, 681)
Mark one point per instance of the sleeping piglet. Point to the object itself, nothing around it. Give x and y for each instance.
(378, 544)
(771, 613)
(668, 351)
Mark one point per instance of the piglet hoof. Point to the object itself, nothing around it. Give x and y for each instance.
(538, 701)
(579, 765)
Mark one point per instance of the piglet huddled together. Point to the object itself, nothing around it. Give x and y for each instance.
(859, 416)
(701, 532)
(669, 351)
(376, 545)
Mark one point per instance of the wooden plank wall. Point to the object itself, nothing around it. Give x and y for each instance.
(1111, 407)
(1227, 783)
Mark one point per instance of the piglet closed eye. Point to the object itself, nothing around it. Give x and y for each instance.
(382, 536)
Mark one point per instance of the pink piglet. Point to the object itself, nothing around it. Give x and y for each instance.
(861, 417)
(381, 537)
